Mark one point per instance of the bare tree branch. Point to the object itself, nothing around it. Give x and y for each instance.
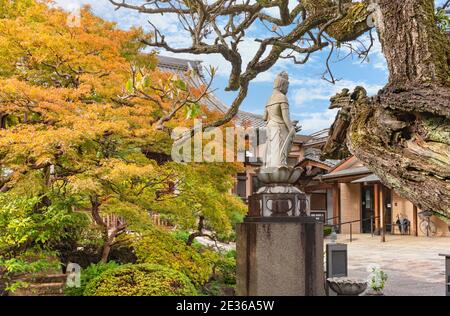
(220, 26)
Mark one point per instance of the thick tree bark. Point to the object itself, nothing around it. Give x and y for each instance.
(416, 51)
(403, 134)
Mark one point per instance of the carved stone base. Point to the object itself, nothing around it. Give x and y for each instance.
(278, 200)
(278, 188)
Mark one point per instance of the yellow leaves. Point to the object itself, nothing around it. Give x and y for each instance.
(118, 171)
(40, 45)
(131, 212)
(34, 146)
(84, 185)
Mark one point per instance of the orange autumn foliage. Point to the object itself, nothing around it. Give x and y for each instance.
(82, 110)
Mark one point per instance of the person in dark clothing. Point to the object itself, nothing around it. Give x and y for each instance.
(399, 223)
(405, 225)
(402, 224)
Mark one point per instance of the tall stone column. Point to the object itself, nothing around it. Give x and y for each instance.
(280, 256)
(279, 247)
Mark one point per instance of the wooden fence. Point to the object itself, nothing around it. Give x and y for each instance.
(112, 221)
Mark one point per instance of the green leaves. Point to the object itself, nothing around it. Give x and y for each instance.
(141, 280)
(88, 274)
(147, 81)
(180, 84)
(159, 247)
(27, 221)
(129, 86)
(193, 111)
(212, 71)
(443, 20)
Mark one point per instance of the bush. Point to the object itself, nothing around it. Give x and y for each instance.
(223, 280)
(162, 248)
(141, 280)
(225, 268)
(327, 230)
(91, 272)
(183, 236)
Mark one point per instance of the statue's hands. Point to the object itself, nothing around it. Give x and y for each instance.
(296, 126)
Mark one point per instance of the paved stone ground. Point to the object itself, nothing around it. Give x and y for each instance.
(413, 264)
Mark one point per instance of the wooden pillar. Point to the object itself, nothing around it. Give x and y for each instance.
(377, 206)
(336, 204)
(249, 182)
(382, 215)
(414, 221)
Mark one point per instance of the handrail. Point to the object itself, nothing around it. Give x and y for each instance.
(327, 219)
(371, 218)
(361, 220)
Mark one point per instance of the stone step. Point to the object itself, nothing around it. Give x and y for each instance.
(43, 278)
(40, 289)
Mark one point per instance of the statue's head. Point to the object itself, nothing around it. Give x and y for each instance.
(282, 82)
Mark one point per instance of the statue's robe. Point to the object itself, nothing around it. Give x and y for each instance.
(277, 131)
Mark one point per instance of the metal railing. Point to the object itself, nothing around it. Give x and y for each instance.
(330, 219)
(371, 219)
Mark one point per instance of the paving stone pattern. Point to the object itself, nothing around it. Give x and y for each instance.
(413, 264)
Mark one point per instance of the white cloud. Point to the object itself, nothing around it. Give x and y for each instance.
(124, 18)
(316, 121)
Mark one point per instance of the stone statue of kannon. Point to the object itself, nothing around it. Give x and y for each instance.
(277, 176)
(280, 130)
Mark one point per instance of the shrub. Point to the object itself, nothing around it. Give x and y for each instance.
(141, 280)
(91, 272)
(327, 230)
(161, 248)
(183, 236)
(223, 280)
(225, 268)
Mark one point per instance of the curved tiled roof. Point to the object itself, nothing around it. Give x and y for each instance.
(181, 66)
(314, 155)
(318, 137)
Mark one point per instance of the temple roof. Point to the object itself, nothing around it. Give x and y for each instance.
(181, 66)
(314, 155)
(359, 171)
(318, 137)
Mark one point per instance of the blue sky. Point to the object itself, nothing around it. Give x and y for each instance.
(309, 93)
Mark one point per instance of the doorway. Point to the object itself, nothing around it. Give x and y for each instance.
(387, 207)
(367, 207)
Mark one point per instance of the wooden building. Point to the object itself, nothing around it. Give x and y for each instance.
(359, 197)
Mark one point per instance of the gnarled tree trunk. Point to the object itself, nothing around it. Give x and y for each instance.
(403, 133)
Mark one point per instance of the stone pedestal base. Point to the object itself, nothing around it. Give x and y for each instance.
(280, 256)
